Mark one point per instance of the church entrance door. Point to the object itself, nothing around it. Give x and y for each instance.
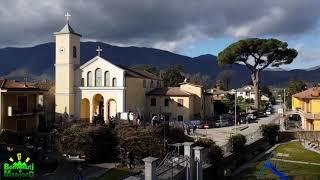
(98, 106)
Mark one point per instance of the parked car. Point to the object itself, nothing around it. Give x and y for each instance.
(261, 114)
(222, 123)
(198, 123)
(294, 117)
(187, 124)
(210, 123)
(243, 119)
(251, 118)
(269, 111)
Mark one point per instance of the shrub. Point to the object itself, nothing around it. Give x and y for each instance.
(238, 143)
(270, 132)
(98, 143)
(204, 142)
(148, 141)
(215, 154)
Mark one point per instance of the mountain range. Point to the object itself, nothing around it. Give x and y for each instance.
(37, 63)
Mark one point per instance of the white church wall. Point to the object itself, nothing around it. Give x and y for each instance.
(97, 62)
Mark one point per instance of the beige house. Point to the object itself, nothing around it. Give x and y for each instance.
(186, 102)
(20, 105)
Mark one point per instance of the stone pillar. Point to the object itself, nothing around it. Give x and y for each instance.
(198, 160)
(188, 153)
(105, 113)
(90, 112)
(150, 168)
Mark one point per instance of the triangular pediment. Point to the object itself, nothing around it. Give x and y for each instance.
(98, 58)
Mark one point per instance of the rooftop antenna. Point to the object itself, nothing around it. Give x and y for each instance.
(25, 78)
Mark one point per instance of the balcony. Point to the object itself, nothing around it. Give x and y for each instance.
(15, 112)
(309, 115)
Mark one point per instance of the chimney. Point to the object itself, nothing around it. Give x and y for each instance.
(218, 86)
(315, 91)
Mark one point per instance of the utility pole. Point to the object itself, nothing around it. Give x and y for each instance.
(284, 100)
(235, 112)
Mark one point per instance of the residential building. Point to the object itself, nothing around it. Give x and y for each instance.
(307, 105)
(20, 104)
(185, 102)
(247, 92)
(217, 93)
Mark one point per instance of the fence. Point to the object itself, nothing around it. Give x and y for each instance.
(172, 166)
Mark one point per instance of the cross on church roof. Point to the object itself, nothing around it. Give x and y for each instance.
(67, 15)
(99, 50)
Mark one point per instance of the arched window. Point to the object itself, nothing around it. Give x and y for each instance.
(89, 79)
(82, 81)
(98, 77)
(107, 78)
(151, 84)
(74, 52)
(144, 83)
(114, 82)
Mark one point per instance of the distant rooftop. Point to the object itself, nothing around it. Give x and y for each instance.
(138, 73)
(168, 91)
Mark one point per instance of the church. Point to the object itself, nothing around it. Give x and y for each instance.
(96, 87)
(101, 88)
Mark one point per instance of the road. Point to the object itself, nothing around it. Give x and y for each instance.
(221, 135)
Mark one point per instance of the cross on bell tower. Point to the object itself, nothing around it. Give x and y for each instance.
(99, 50)
(67, 15)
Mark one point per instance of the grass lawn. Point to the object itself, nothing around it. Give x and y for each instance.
(116, 174)
(296, 152)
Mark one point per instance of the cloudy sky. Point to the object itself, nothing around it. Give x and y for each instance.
(189, 27)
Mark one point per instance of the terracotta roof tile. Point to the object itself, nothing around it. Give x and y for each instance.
(311, 93)
(132, 72)
(10, 84)
(168, 91)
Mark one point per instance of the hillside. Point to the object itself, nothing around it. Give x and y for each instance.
(38, 63)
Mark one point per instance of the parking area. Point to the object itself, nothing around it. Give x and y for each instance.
(221, 135)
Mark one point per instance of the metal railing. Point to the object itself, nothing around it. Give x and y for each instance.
(171, 163)
(28, 112)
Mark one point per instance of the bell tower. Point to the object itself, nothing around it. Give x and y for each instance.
(67, 62)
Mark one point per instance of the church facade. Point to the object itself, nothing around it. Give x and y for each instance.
(97, 87)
